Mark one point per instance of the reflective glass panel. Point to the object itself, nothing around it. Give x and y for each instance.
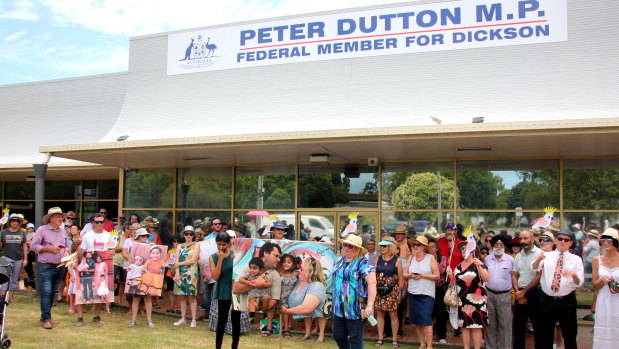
(19, 191)
(497, 221)
(106, 189)
(430, 223)
(256, 220)
(591, 184)
(63, 190)
(418, 185)
(209, 187)
(264, 187)
(150, 188)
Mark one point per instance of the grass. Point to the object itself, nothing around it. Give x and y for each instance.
(24, 330)
(584, 297)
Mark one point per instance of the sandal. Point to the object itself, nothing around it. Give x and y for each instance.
(267, 333)
(378, 343)
(133, 323)
(150, 323)
(396, 344)
(305, 338)
(286, 333)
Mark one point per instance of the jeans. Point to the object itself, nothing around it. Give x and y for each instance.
(208, 295)
(50, 279)
(348, 333)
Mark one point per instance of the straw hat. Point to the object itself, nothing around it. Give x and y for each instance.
(52, 211)
(613, 233)
(400, 230)
(354, 240)
(422, 240)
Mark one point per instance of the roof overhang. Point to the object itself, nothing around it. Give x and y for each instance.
(58, 171)
(538, 139)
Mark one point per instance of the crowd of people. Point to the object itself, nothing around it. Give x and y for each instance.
(489, 287)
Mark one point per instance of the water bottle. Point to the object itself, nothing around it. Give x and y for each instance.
(372, 320)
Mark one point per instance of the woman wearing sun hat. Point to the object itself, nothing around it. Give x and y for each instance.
(388, 282)
(606, 280)
(13, 242)
(422, 273)
(354, 278)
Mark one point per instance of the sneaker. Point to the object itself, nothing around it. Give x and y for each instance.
(97, 319)
(442, 341)
(80, 322)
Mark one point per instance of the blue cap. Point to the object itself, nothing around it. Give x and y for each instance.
(450, 226)
(280, 225)
(90, 216)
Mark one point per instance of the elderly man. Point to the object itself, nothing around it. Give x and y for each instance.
(525, 282)
(562, 273)
(500, 267)
(400, 239)
(49, 242)
(446, 246)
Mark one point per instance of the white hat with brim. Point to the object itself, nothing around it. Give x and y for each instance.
(141, 232)
(17, 216)
(354, 240)
(613, 233)
(189, 228)
(52, 211)
(232, 233)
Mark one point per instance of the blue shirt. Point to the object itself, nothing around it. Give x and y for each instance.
(296, 297)
(349, 285)
(500, 272)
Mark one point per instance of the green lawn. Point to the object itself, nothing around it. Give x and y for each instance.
(24, 331)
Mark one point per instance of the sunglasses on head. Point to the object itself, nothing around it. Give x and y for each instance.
(563, 239)
(98, 222)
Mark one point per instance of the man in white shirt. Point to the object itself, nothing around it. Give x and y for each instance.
(562, 273)
(95, 240)
(526, 286)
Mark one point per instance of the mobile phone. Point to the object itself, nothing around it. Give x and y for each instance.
(415, 273)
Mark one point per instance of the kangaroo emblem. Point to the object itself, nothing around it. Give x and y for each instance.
(188, 52)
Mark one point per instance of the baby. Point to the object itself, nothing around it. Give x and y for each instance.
(256, 270)
(134, 272)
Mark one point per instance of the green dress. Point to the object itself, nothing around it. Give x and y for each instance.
(189, 274)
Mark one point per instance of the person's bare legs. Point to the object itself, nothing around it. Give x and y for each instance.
(148, 304)
(183, 301)
(135, 306)
(308, 327)
(322, 323)
(380, 318)
(421, 336)
(193, 307)
(395, 324)
(427, 330)
(466, 338)
(477, 334)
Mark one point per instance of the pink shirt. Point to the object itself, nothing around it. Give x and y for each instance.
(46, 236)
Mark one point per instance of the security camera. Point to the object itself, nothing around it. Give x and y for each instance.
(372, 162)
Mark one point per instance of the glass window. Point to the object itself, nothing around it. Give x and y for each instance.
(256, 221)
(204, 187)
(497, 221)
(63, 190)
(19, 191)
(317, 225)
(418, 185)
(430, 223)
(366, 223)
(24, 207)
(338, 185)
(151, 188)
(591, 184)
(508, 184)
(264, 187)
(590, 220)
(97, 190)
(1, 190)
(184, 218)
(166, 223)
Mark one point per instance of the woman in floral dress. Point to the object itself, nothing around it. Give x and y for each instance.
(470, 276)
(186, 278)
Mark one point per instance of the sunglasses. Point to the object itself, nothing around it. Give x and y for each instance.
(348, 246)
(564, 239)
(544, 240)
(484, 252)
(103, 212)
(175, 241)
(417, 245)
(71, 218)
(98, 222)
(192, 234)
(603, 240)
(14, 220)
(217, 223)
(488, 240)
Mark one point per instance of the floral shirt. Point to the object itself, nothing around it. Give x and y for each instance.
(349, 285)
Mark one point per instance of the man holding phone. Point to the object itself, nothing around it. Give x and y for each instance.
(50, 242)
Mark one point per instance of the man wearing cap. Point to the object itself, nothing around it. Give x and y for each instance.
(95, 240)
(49, 242)
(562, 273)
(525, 282)
(447, 246)
(13, 241)
(500, 267)
(400, 239)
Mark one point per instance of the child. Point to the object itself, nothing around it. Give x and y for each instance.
(288, 273)
(134, 274)
(256, 270)
(71, 271)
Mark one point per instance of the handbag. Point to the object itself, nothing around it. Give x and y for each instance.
(384, 290)
(451, 298)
